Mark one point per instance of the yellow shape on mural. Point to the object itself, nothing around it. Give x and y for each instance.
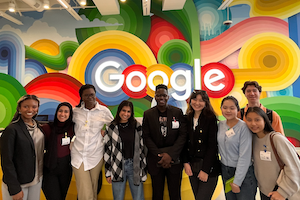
(158, 79)
(272, 59)
(121, 40)
(280, 8)
(48, 47)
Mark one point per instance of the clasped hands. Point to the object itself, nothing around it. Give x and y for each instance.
(165, 160)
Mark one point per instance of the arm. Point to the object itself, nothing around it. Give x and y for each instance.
(152, 148)
(107, 152)
(8, 166)
(211, 152)
(276, 123)
(244, 160)
(289, 183)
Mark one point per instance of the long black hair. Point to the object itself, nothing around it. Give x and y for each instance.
(82, 88)
(20, 101)
(268, 126)
(131, 120)
(207, 110)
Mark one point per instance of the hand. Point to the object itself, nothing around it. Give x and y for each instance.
(165, 160)
(102, 132)
(203, 176)
(275, 196)
(187, 169)
(108, 179)
(18, 196)
(235, 188)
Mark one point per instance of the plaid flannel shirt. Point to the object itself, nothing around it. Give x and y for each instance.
(113, 155)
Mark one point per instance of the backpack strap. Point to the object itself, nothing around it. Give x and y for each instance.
(279, 161)
(269, 114)
(242, 113)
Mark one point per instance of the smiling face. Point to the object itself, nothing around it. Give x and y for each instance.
(63, 113)
(125, 114)
(28, 109)
(89, 96)
(229, 109)
(197, 103)
(255, 123)
(161, 97)
(252, 94)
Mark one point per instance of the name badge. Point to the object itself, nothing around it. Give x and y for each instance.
(230, 133)
(65, 141)
(175, 124)
(265, 155)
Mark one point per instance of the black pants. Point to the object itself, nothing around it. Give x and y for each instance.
(56, 182)
(203, 190)
(174, 184)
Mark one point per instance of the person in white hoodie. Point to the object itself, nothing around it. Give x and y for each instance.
(273, 183)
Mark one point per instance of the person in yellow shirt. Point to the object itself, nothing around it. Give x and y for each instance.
(252, 91)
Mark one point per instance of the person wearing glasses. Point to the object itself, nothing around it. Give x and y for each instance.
(88, 148)
(252, 91)
(200, 155)
(164, 132)
(22, 152)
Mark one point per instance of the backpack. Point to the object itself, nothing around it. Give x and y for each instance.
(268, 112)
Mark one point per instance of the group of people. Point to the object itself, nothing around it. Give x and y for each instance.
(250, 142)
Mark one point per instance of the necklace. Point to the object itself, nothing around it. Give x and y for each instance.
(124, 125)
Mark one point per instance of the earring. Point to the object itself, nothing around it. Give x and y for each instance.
(19, 112)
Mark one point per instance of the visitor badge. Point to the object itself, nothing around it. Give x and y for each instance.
(265, 155)
(65, 141)
(230, 133)
(175, 124)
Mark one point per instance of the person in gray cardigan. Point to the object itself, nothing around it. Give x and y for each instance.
(124, 154)
(273, 182)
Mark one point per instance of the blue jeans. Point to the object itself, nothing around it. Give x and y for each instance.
(248, 187)
(137, 191)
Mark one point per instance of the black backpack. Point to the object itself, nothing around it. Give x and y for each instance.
(268, 112)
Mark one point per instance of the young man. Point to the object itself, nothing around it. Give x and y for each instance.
(252, 91)
(164, 132)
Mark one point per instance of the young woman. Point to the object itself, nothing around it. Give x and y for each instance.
(200, 155)
(235, 147)
(22, 152)
(270, 183)
(124, 155)
(57, 159)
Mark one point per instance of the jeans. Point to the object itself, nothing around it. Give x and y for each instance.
(137, 191)
(248, 187)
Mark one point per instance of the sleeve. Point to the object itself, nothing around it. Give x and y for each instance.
(245, 151)
(143, 153)
(8, 166)
(108, 117)
(181, 139)
(276, 123)
(212, 147)
(289, 182)
(107, 152)
(152, 148)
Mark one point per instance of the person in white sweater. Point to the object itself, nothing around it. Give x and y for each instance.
(273, 183)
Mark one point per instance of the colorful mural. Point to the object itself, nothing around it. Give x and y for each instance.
(126, 55)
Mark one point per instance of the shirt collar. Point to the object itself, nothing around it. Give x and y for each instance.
(97, 106)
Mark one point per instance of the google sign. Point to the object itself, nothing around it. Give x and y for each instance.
(217, 79)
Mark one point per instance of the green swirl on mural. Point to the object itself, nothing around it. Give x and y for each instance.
(57, 62)
(175, 51)
(10, 92)
(288, 108)
(186, 20)
(130, 19)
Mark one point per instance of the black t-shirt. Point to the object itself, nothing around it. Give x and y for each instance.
(126, 132)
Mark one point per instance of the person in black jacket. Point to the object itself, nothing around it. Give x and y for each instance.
(164, 132)
(200, 155)
(22, 152)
